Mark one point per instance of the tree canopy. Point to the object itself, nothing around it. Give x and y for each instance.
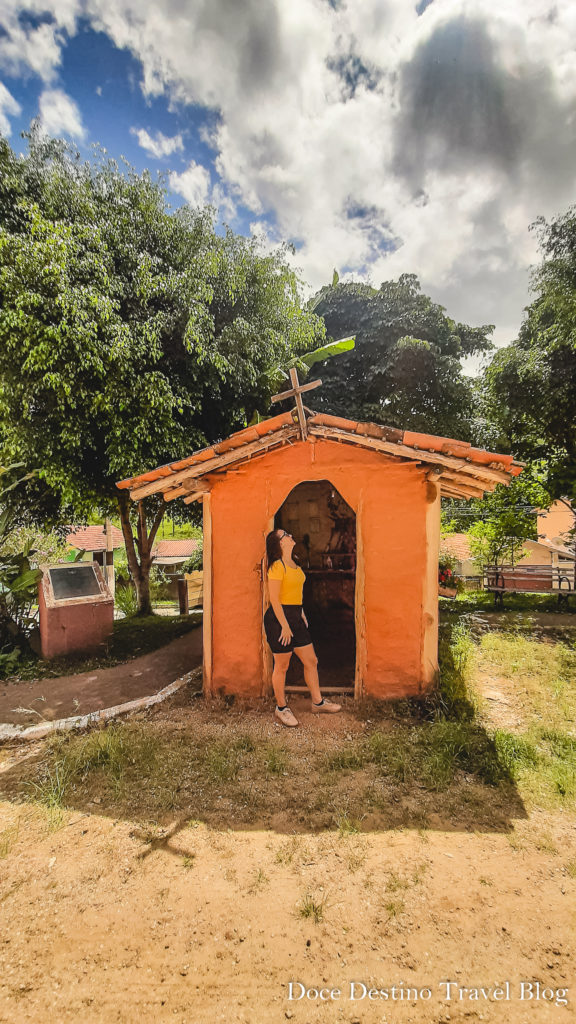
(405, 370)
(530, 386)
(130, 334)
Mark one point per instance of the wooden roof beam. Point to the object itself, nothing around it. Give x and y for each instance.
(451, 489)
(417, 454)
(467, 480)
(195, 496)
(177, 492)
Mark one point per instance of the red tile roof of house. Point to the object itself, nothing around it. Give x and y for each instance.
(93, 538)
(175, 548)
(456, 544)
(465, 468)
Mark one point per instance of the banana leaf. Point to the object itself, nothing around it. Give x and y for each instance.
(333, 348)
(26, 579)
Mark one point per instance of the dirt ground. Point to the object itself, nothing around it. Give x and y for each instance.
(117, 918)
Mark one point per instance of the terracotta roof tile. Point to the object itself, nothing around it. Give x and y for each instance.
(430, 443)
(172, 548)
(456, 544)
(93, 538)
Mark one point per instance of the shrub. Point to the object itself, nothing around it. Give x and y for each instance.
(126, 599)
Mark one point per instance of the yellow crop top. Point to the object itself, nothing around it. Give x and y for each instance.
(292, 582)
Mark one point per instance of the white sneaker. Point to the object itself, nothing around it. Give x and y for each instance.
(328, 707)
(286, 717)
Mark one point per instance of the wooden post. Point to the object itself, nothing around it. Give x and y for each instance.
(109, 560)
(267, 657)
(359, 606)
(429, 636)
(183, 596)
(207, 614)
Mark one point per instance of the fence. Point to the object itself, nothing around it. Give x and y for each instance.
(191, 591)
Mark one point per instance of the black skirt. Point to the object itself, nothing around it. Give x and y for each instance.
(300, 635)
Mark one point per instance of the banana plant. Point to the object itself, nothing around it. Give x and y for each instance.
(275, 378)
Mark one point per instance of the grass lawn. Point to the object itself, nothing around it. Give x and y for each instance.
(483, 600)
(189, 862)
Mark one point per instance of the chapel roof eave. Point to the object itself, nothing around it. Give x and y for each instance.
(461, 470)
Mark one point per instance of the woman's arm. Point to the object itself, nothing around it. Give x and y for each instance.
(305, 619)
(274, 591)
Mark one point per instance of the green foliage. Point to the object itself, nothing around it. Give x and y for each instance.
(498, 524)
(405, 369)
(126, 599)
(529, 389)
(455, 650)
(18, 580)
(121, 569)
(492, 544)
(195, 562)
(333, 348)
(129, 334)
(447, 565)
(159, 583)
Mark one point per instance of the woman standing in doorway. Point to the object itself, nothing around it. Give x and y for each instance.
(287, 628)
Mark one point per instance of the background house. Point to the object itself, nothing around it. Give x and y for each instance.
(92, 539)
(540, 552)
(171, 556)
(555, 523)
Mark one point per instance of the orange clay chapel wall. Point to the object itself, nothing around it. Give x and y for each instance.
(397, 582)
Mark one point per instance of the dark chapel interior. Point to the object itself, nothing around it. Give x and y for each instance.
(324, 528)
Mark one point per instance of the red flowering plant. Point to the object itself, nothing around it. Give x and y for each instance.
(447, 578)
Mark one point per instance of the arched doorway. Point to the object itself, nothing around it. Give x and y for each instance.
(324, 526)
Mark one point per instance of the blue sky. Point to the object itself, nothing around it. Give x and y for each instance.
(381, 138)
(103, 83)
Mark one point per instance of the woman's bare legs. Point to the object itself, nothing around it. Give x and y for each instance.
(309, 661)
(281, 662)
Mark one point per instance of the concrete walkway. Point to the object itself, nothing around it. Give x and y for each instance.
(86, 692)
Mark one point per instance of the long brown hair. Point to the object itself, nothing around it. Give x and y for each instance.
(273, 549)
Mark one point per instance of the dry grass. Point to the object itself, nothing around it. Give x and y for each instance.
(400, 764)
(539, 680)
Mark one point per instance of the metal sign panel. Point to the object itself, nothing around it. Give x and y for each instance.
(69, 581)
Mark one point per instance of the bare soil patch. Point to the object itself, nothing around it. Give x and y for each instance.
(206, 858)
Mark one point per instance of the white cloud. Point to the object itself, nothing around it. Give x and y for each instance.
(193, 184)
(160, 145)
(59, 114)
(9, 107)
(379, 141)
(35, 44)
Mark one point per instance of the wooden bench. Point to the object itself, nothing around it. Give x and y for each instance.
(528, 579)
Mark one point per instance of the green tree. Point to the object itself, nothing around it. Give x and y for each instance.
(405, 370)
(129, 334)
(19, 578)
(496, 542)
(516, 504)
(530, 386)
(499, 523)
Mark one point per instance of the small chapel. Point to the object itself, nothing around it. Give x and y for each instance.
(363, 503)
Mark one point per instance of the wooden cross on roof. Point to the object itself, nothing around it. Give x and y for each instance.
(296, 392)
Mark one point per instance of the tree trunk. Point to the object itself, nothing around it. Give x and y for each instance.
(139, 567)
